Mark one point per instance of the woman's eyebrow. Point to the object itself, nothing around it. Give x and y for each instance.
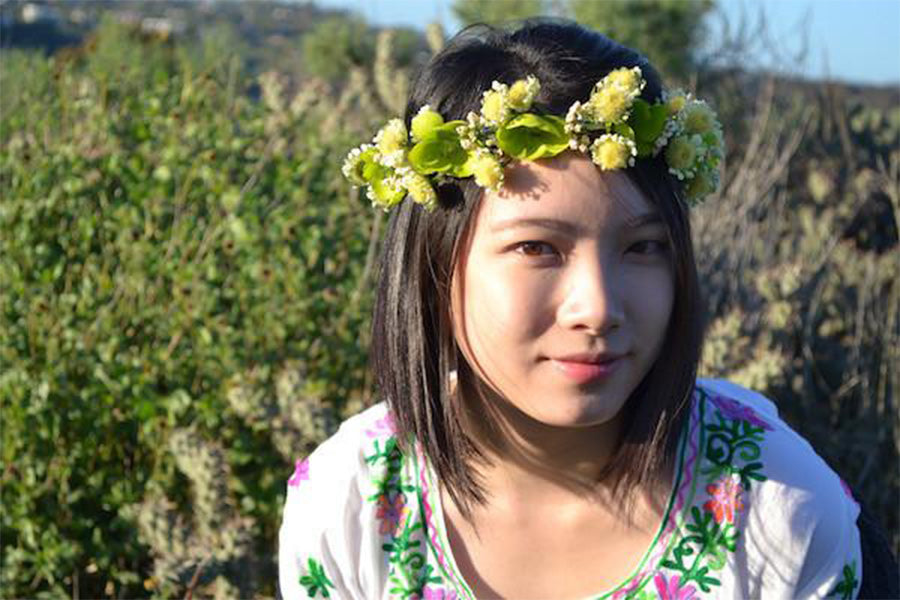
(549, 223)
(650, 218)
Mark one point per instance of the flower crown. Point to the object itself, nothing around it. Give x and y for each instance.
(615, 126)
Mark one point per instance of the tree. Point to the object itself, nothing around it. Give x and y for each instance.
(665, 31)
(337, 44)
(493, 12)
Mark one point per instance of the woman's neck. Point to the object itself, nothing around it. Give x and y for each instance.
(530, 461)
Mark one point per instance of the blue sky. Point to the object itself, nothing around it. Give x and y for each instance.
(850, 40)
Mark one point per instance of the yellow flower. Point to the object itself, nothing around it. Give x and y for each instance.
(522, 93)
(629, 80)
(392, 137)
(698, 118)
(681, 153)
(419, 189)
(675, 102)
(612, 151)
(355, 163)
(700, 185)
(493, 107)
(609, 104)
(424, 122)
(488, 171)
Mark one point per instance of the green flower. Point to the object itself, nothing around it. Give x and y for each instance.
(424, 121)
(385, 188)
(530, 137)
(701, 185)
(681, 153)
(356, 162)
(440, 151)
(698, 117)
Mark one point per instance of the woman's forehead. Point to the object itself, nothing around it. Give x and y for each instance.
(569, 188)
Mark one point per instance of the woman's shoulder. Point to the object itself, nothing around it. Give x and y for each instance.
(328, 534)
(796, 516)
(342, 458)
(735, 416)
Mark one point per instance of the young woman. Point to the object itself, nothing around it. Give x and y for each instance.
(537, 331)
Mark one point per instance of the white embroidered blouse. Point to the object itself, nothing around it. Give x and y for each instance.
(754, 512)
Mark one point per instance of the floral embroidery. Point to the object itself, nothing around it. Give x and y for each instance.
(315, 581)
(383, 427)
(734, 410)
(844, 588)
(672, 589)
(391, 513)
(733, 446)
(725, 499)
(433, 593)
(301, 473)
(731, 449)
(847, 490)
(409, 576)
(702, 549)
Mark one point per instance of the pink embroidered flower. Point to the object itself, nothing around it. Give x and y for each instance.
(391, 513)
(383, 427)
(732, 409)
(301, 472)
(725, 499)
(846, 489)
(430, 593)
(672, 589)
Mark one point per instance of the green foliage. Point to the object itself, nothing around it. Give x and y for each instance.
(798, 258)
(162, 233)
(185, 285)
(666, 31)
(494, 12)
(338, 44)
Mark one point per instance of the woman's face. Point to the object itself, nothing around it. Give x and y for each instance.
(563, 292)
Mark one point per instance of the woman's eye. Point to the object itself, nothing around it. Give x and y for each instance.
(649, 247)
(532, 248)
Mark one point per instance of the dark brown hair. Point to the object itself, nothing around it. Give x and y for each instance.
(414, 349)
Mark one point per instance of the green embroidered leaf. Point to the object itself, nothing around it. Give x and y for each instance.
(316, 581)
(530, 137)
(844, 588)
(440, 151)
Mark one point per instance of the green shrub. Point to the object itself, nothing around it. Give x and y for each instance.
(161, 234)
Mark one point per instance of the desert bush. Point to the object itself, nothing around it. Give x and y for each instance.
(798, 254)
(185, 282)
(162, 234)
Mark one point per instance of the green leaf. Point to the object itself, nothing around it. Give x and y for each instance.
(647, 122)
(530, 137)
(439, 151)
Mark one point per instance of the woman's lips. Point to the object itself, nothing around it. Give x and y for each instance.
(583, 371)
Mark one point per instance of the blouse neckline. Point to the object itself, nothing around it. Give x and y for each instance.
(439, 544)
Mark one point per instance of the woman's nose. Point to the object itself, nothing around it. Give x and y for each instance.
(593, 299)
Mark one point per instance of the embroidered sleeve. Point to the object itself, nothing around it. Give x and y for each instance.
(834, 567)
(306, 568)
